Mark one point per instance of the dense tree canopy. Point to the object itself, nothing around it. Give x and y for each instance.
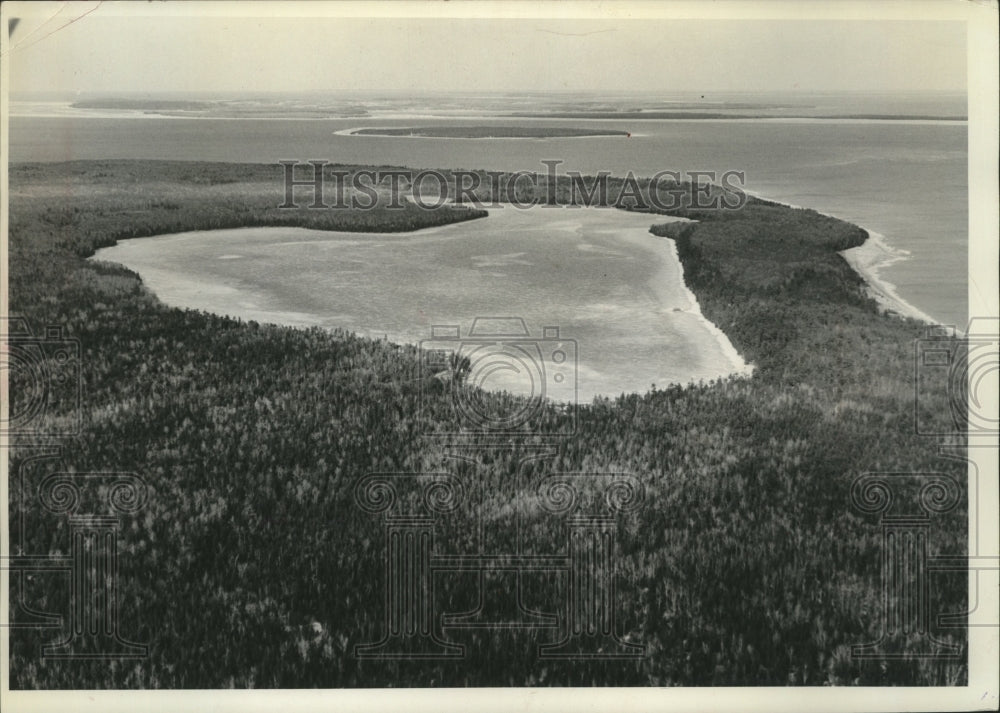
(252, 564)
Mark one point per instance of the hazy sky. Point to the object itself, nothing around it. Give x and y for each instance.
(215, 54)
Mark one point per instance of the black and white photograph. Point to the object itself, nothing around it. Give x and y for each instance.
(550, 356)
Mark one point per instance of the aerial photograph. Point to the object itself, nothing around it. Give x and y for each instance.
(344, 349)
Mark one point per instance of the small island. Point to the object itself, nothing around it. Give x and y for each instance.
(487, 132)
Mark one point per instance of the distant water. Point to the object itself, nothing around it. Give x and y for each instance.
(598, 275)
(904, 179)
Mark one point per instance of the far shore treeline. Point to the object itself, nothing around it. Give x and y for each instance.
(252, 566)
(686, 111)
(490, 132)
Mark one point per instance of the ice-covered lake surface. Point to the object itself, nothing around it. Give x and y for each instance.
(615, 291)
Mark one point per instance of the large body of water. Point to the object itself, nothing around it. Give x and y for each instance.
(616, 292)
(904, 179)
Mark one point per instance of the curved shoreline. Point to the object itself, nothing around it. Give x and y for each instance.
(720, 359)
(866, 260)
(740, 367)
(871, 256)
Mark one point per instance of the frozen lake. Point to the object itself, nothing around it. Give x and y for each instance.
(597, 274)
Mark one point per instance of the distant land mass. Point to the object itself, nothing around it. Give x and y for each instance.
(226, 109)
(354, 107)
(722, 115)
(142, 104)
(489, 132)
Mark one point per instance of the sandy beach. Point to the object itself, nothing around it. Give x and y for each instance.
(867, 259)
(739, 366)
(670, 280)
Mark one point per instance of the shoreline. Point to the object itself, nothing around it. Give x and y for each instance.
(866, 260)
(871, 256)
(740, 366)
(226, 300)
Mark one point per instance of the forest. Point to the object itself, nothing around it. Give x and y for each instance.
(251, 563)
